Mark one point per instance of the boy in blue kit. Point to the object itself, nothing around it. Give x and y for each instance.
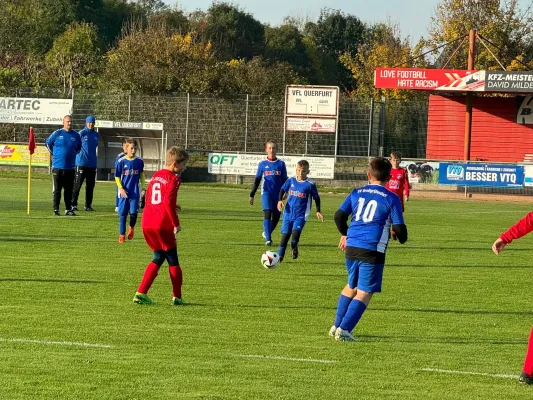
(129, 176)
(120, 155)
(372, 208)
(271, 174)
(301, 191)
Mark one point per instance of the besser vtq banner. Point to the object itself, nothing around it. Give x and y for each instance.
(246, 164)
(509, 176)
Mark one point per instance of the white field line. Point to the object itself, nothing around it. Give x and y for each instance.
(445, 371)
(46, 342)
(286, 358)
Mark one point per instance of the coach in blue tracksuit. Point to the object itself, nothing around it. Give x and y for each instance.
(86, 165)
(63, 145)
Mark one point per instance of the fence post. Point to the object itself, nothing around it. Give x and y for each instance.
(129, 105)
(382, 127)
(370, 126)
(246, 123)
(187, 120)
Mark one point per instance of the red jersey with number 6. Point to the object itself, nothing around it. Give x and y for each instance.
(161, 196)
(399, 182)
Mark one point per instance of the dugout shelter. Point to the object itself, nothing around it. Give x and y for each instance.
(151, 145)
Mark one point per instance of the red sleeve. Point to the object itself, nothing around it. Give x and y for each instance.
(170, 203)
(406, 183)
(521, 228)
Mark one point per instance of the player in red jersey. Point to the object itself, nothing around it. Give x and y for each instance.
(160, 224)
(399, 181)
(521, 228)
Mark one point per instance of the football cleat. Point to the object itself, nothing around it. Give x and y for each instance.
(131, 232)
(264, 235)
(56, 213)
(89, 208)
(116, 209)
(525, 378)
(70, 213)
(268, 243)
(332, 331)
(121, 238)
(295, 252)
(177, 301)
(342, 335)
(141, 298)
(74, 208)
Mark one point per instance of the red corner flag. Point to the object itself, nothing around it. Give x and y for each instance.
(31, 142)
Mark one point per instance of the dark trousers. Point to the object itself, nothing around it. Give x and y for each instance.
(62, 179)
(88, 175)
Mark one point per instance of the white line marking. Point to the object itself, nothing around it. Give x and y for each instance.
(76, 344)
(286, 358)
(445, 371)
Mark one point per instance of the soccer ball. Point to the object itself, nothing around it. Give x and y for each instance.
(270, 259)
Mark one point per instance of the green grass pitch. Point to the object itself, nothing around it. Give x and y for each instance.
(69, 329)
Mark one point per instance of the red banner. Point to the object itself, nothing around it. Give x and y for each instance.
(430, 79)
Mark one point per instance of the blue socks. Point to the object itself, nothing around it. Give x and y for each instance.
(267, 228)
(122, 224)
(353, 315)
(342, 307)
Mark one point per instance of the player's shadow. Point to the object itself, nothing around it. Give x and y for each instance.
(50, 280)
(438, 340)
(450, 311)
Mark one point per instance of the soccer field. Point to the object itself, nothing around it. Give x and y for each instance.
(452, 321)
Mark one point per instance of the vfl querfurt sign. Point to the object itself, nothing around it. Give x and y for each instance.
(246, 164)
(20, 110)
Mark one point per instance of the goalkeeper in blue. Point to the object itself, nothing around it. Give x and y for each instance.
(271, 174)
(372, 208)
(301, 192)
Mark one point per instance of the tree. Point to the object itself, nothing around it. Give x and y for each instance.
(335, 34)
(503, 23)
(234, 33)
(74, 56)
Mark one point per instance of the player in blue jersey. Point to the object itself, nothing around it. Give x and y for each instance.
(120, 155)
(63, 145)
(301, 192)
(373, 208)
(129, 176)
(271, 174)
(86, 161)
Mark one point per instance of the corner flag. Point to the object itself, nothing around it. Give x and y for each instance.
(31, 142)
(31, 149)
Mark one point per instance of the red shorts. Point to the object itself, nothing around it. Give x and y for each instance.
(157, 239)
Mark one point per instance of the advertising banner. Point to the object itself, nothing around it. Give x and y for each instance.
(429, 79)
(326, 125)
(509, 81)
(18, 154)
(246, 164)
(510, 176)
(19, 110)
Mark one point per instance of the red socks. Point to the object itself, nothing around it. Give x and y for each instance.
(176, 277)
(528, 364)
(148, 278)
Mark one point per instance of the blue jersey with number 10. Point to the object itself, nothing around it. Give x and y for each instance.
(372, 208)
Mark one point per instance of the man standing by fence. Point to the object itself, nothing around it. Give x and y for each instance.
(63, 145)
(86, 165)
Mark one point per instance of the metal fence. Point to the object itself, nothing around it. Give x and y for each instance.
(245, 123)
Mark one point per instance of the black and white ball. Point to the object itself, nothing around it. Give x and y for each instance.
(270, 259)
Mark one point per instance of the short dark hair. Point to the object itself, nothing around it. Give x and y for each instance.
(130, 140)
(379, 168)
(303, 164)
(396, 154)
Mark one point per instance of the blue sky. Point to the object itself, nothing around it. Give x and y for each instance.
(413, 16)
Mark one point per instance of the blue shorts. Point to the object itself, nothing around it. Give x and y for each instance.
(364, 276)
(270, 202)
(128, 206)
(288, 225)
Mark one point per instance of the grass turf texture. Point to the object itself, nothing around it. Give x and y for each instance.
(246, 332)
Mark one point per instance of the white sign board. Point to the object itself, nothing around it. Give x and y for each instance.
(34, 111)
(154, 126)
(246, 164)
(312, 100)
(297, 124)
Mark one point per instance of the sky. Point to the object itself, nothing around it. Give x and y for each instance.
(412, 16)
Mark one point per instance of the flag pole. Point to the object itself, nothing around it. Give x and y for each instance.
(29, 183)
